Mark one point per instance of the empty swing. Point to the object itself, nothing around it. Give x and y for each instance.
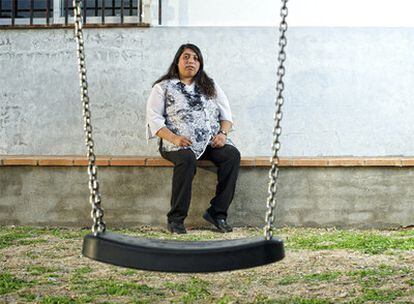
(171, 255)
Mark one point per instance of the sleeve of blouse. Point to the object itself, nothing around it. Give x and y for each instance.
(223, 105)
(155, 111)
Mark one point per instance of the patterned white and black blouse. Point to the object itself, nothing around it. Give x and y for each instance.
(187, 112)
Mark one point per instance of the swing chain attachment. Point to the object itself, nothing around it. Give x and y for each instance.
(277, 130)
(97, 212)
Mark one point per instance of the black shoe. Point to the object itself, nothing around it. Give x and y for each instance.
(220, 223)
(178, 228)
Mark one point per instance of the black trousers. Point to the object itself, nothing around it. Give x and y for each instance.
(227, 161)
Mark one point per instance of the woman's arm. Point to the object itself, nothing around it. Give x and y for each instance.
(155, 111)
(220, 139)
(156, 120)
(177, 140)
(226, 126)
(226, 119)
(223, 104)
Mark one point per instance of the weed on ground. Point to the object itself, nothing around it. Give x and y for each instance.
(44, 265)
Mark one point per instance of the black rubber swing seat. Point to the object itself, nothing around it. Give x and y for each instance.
(181, 256)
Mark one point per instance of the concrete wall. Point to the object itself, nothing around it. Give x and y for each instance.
(348, 90)
(346, 197)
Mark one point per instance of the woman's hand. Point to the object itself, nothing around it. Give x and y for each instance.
(219, 140)
(181, 141)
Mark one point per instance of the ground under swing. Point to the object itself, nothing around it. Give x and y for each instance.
(171, 255)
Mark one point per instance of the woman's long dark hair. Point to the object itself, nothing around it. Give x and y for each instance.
(204, 83)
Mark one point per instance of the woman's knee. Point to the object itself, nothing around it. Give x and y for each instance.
(187, 158)
(233, 153)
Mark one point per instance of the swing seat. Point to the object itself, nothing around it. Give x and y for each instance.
(181, 256)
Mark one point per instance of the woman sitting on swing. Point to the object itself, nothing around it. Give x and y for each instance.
(191, 116)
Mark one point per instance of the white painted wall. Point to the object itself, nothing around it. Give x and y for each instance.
(381, 13)
(349, 91)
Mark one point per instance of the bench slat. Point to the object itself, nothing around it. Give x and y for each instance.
(261, 161)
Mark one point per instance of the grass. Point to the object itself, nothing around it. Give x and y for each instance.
(81, 282)
(294, 300)
(363, 241)
(382, 271)
(9, 283)
(376, 296)
(81, 271)
(311, 239)
(113, 287)
(43, 265)
(23, 235)
(193, 290)
(309, 278)
(65, 300)
(9, 239)
(39, 270)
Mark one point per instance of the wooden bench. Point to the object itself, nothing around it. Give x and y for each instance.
(142, 161)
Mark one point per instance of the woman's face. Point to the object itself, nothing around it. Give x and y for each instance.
(188, 64)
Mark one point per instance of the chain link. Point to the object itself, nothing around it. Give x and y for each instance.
(97, 212)
(277, 130)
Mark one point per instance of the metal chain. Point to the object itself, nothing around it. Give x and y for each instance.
(95, 197)
(277, 130)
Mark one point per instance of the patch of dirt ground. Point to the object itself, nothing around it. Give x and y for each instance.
(289, 278)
